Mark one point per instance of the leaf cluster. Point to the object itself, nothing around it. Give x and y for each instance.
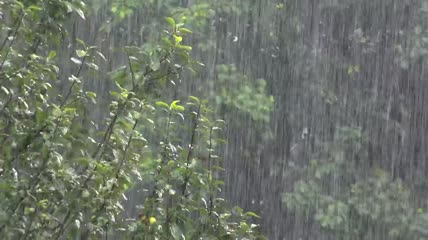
(64, 175)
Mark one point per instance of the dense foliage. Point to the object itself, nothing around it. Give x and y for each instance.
(65, 174)
(108, 119)
(351, 204)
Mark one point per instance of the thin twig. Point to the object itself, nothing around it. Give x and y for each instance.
(122, 161)
(70, 89)
(210, 191)
(13, 39)
(189, 154)
(18, 23)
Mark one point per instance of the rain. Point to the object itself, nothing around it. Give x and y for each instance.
(323, 101)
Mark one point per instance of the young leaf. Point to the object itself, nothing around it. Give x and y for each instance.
(175, 106)
(171, 22)
(80, 13)
(81, 53)
(76, 61)
(52, 55)
(178, 39)
(162, 104)
(185, 30)
(195, 99)
(251, 214)
(91, 95)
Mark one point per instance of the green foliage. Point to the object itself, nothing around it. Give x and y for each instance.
(184, 193)
(64, 176)
(238, 92)
(350, 208)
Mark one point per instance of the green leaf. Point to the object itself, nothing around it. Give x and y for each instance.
(93, 66)
(91, 94)
(81, 53)
(52, 55)
(73, 78)
(76, 61)
(21, 5)
(183, 47)
(120, 76)
(80, 13)
(70, 110)
(5, 90)
(252, 214)
(171, 22)
(35, 8)
(81, 42)
(194, 99)
(175, 106)
(41, 116)
(77, 223)
(176, 232)
(29, 210)
(102, 56)
(155, 66)
(167, 42)
(43, 203)
(181, 115)
(177, 39)
(179, 108)
(114, 9)
(185, 30)
(162, 104)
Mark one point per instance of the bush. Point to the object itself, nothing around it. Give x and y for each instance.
(65, 175)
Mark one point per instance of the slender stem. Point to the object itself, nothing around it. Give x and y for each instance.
(122, 161)
(64, 224)
(36, 42)
(70, 89)
(211, 195)
(189, 154)
(19, 23)
(28, 228)
(155, 188)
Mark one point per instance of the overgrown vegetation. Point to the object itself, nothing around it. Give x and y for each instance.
(65, 175)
